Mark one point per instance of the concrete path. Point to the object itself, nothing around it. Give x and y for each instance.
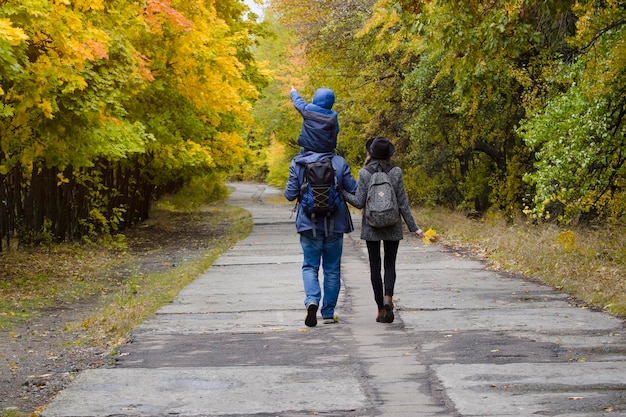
(467, 341)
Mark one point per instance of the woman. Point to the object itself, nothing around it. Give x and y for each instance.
(379, 152)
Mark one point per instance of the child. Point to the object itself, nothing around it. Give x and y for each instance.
(320, 125)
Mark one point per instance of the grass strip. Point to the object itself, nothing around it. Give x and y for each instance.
(587, 263)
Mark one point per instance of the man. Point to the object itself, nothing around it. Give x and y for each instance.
(322, 239)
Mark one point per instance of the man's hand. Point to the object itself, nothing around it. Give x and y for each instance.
(419, 233)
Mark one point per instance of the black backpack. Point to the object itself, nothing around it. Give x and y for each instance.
(319, 193)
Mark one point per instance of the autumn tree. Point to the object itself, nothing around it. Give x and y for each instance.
(106, 105)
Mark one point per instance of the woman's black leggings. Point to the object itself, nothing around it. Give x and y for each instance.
(391, 250)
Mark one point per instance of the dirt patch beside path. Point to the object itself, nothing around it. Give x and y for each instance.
(40, 357)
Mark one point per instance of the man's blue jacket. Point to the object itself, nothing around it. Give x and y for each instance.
(342, 220)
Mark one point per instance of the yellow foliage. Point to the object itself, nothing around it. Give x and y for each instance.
(12, 35)
(277, 163)
(97, 216)
(382, 17)
(207, 68)
(62, 179)
(430, 236)
(46, 108)
(228, 149)
(567, 240)
(86, 5)
(196, 151)
(276, 154)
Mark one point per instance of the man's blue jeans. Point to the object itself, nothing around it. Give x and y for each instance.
(325, 251)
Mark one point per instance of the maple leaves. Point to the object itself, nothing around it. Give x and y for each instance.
(430, 236)
(157, 13)
(86, 84)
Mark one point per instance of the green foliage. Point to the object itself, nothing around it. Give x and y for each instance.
(44, 236)
(272, 139)
(508, 104)
(578, 136)
(198, 192)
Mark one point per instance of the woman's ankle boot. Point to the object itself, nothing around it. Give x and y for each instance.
(380, 318)
(388, 306)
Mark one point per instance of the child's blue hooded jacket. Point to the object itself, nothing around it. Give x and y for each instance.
(320, 125)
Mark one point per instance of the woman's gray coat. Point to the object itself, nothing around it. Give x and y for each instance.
(393, 232)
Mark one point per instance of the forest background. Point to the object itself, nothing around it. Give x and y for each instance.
(510, 112)
(507, 112)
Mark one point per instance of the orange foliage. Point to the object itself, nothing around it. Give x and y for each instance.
(158, 12)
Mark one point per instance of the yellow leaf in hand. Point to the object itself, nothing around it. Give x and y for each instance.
(430, 236)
